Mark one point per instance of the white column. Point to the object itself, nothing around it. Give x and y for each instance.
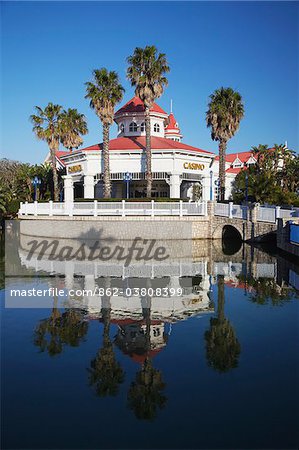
(68, 189)
(175, 185)
(206, 184)
(88, 186)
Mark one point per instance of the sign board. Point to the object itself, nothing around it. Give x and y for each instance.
(74, 169)
(193, 166)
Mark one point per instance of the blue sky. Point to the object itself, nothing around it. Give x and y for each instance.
(50, 49)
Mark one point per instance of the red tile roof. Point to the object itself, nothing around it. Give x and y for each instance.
(141, 358)
(172, 123)
(138, 143)
(59, 153)
(234, 169)
(136, 105)
(242, 156)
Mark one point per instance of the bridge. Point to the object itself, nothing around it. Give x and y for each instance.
(164, 220)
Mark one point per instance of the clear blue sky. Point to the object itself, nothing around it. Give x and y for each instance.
(50, 49)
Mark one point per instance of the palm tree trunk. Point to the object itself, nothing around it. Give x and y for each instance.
(148, 153)
(106, 161)
(222, 153)
(221, 297)
(55, 176)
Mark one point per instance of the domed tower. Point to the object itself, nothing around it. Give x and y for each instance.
(172, 130)
(130, 119)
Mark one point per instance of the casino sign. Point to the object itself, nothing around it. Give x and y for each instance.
(193, 166)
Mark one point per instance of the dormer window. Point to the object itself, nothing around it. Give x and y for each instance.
(121, 128)
(142, 127)
(133, 127)
(156, 128)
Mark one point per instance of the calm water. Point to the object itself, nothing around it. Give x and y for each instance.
(215, 367)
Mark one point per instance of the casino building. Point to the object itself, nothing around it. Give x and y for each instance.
(176, 167)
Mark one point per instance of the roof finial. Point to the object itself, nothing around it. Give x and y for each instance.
(170, 106)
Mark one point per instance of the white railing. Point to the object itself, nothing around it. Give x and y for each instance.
(230, 210)
(265, 214)
(221, 209)
(123, 208)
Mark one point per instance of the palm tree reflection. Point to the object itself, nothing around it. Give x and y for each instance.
(67, 328)
(222, 346)
(145, 395)
(106, 373)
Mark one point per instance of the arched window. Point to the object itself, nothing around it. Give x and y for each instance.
(121, 128)
(142, 127)
(133, 127)
(156, 128)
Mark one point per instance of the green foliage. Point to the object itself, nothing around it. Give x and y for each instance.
(266, 291)
(273, 179)
(16, 184)
(73, 126)
(197, 192)
(224, 115)
(225, 112)
(104, 92)
(146, 72)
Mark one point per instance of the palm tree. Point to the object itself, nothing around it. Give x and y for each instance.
(74, 126)
(146, 72)
(47, 127)
(104, 92)
(224, 114)
(222, 346)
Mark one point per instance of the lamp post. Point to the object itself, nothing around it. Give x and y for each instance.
(217, 183)
(35, 182)
(127, 178)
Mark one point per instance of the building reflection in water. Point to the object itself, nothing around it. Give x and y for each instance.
(143, 322)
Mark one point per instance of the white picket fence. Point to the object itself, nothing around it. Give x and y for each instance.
(121, 208)
(153, 209)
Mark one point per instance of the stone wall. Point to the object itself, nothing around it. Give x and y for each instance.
(159, 227)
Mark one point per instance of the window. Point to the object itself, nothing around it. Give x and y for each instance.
(156, 128)
(121, 128)
(142, 127)
(133, 127)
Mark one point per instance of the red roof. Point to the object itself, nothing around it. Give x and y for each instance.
(136, 105)
(234, 169)
(172, 123)
(138, 143)
(59, 154)
(242, 156)
(141, 358)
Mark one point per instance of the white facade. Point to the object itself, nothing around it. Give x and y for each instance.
(176, 167)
